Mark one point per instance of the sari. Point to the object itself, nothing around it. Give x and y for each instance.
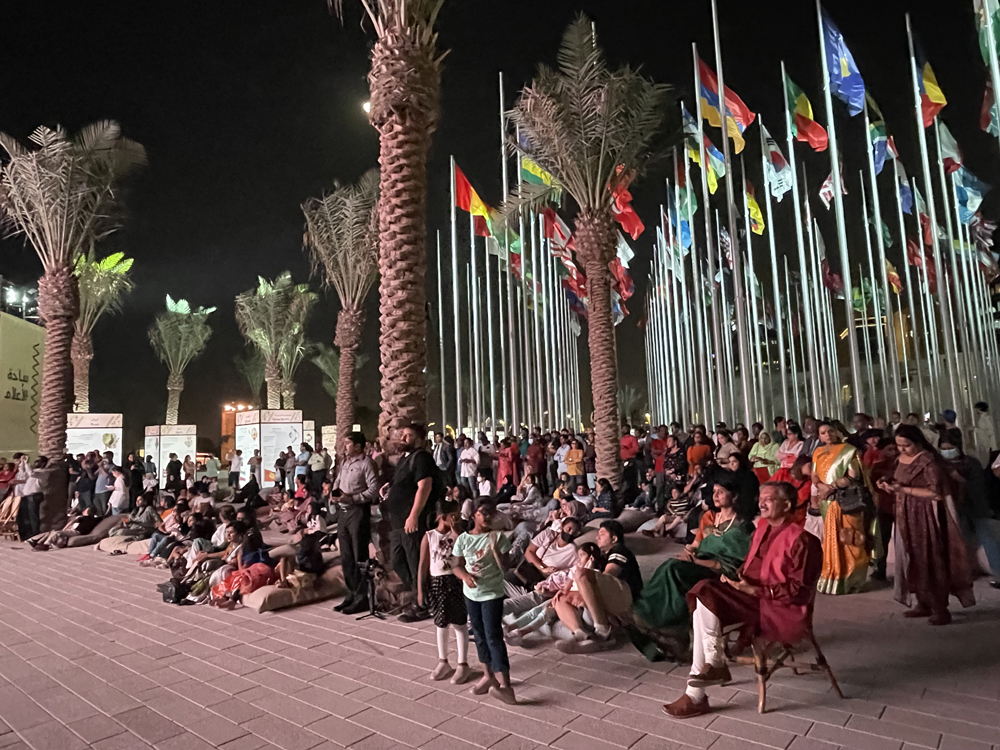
(931, 559)
(845, 549)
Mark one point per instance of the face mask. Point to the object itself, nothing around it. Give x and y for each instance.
(566, 537)
(949, 453)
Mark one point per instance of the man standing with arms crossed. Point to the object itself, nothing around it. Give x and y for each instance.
(409, 499)
(355, 488)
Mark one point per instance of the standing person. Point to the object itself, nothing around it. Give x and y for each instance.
(189, 471)
(409, 499)
(560, 455)
(699, 454)
(213, 466)
(103, 486)
(255, 467)
(30, 512)
(468, 466)
(573, 460)
(508, 463)
(444, 455)
(86, 483)
(355, 489)
(134, 480)
(984, 431)
(836, 466)
(443, 595)
(536, 462)
(590, 457)
(235, 466)
(975, 508)
(150, 466)
(480, 557)
(931, 559)
(119, 498)
(317, 470)
(279, 470)
(291, 464)
(658, 449)
(302, 461)
(770, 596)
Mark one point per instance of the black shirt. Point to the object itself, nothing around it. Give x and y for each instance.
(622, 556)
(409, 471)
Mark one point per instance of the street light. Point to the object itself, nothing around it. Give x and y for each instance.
(367, 107)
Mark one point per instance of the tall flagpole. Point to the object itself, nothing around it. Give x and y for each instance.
(904, 336)
(930, 320)
(691, 393)
(866, 340)
(838, 198)
(663, 350)
(489, 347)
(537, 292)
(738, 302)
(512, 363)
(749, 300)
(944, 299)
(476, 328)
(472, 356)
(686, 372)
(704, 365)
(969, 297)
(459, 423)
(710, 250)
(791, 339)
(800, 240)
(774, 269)
(440, 300)
(501, 329)
(728, 338)
(879, 337)
(550, 376)
(880, 244)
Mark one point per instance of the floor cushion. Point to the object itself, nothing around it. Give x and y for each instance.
(114, 544)
(271, 598)
(100, 532)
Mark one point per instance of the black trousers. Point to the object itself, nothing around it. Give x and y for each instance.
(354, 534)
(404, 551)
(29, 515)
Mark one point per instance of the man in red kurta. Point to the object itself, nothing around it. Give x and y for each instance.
(776, 585)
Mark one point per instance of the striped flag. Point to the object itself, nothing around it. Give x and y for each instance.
(779, 173)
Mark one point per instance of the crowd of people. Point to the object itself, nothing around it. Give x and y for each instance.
(517, 538)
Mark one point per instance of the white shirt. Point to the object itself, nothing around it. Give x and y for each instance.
(236, 464)
(439, 546)
(32, 485)
(119, 495)
(468, 462)
(486, 488)
(219, 537)
(560, 457)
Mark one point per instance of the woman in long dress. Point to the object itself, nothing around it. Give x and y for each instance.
(931, 559)
(837, 465)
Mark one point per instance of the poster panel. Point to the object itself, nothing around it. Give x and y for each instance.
(274, 438)
(22, 345)
(247, 440)
(309, 433)
(90, 432)
(175, 441)
(329, 434)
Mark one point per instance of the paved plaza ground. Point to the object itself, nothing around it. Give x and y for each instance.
(91, 658)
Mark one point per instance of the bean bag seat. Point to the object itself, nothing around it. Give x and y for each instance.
(271, 598)
(138, 548)
(99, 533)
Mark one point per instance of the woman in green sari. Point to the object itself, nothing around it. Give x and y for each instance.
(722, 549)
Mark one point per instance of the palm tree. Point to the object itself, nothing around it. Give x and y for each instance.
(62, 196)
(327, 361)
(251, 367)
(267, 317)
(405, 83)
(102, 284)
(294, 347)
(178, 336)
(592, 128)
(342, 237)
(630, 404)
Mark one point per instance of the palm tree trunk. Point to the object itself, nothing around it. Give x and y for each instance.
(272, 377)
(81, 352)
(405, 84)
(58, 307)
(175, 384)
(287, 394)
(350, 323)
(595, 244)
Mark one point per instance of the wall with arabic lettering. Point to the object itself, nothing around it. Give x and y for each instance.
(22, 346)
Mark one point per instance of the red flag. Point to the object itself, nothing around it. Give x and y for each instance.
(557, 231)
(832, 281)
(622, 281)
(915, 258)
(622, 209)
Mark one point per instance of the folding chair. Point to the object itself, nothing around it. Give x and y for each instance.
(8, 518)
(770, 656)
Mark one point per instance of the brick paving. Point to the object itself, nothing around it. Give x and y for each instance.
(90, 658)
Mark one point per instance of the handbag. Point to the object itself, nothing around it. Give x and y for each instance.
(174, 591)
(852, 499)
(526, 574)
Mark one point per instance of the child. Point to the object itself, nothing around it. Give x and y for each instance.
(561, 583)
(149, 483)
(444, 599)
(480, 557)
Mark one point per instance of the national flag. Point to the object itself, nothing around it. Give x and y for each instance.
(932, 98)
(738, 115)
(984, 7)
(879, 226)
(832, 281)
(779, 173)
(576, 304)
(682, 229)
(989, 115)
(558, 233)
(753, 208)
(716, 163)
(861, 296)
(531, 172)
(846, 82)
(951, 153)
(905, 193)
(467, 199)
(893, 277)
(621, 208)
(686, 194)
(804, 125)
(727, 246)
(624, 251)
(618, 309)
(623, 283)
(826, 189)
(970, 191)
(917, 259)
(883, 147)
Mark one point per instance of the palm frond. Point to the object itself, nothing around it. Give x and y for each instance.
(251, 367)
(342, 237)
(327, 361)
(583, 121)
(103, 285)
(63, 194)
(180, 334)
(272, 315)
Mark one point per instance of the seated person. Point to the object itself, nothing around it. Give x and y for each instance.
(550, 551)
(484, 484)
(202, 503)
(77, 525)
(770, 597)
(604, 506)
(248, 491)
(141, 522)
(676, 515)
(528, 494)
(526, 529)
(168, 534)
(720, 551)
(558, 586)
(581, 493)
(149, 483)
(564, 489)
(227, 514)
(650, 488)
(606, 595)
(301, 572)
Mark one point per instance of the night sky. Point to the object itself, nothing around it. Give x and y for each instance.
(248, 108)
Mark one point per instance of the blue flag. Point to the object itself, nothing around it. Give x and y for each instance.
(970, 192)
(845, 78)
(905, 194)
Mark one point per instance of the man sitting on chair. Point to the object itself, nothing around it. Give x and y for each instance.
(776, 586)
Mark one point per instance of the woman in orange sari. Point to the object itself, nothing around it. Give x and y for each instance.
(836, 465)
